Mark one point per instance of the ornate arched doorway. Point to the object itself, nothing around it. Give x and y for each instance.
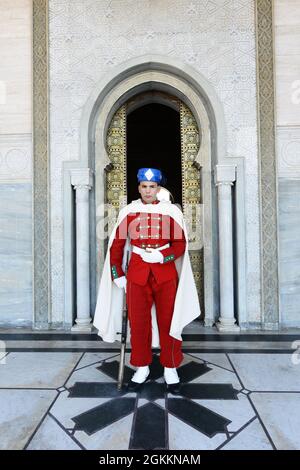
(93, 181)
(157, 129)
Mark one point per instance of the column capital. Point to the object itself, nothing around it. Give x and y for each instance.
(82, 177)
(224, 174)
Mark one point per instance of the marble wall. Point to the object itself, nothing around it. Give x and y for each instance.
(15, 163)
(289, 244)
(287, 63)
(88, 39)
(15, 254)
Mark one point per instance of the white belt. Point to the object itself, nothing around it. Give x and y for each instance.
(139, 251)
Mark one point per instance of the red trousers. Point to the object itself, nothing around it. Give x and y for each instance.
(139, 302)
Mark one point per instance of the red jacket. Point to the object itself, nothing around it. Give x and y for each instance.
(147, 230)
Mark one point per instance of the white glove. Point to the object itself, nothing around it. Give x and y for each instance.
(152, 256)
(121, 282)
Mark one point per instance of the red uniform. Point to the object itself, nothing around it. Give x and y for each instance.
(150, 282)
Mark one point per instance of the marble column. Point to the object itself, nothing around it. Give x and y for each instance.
(82, 181)
(224, 179)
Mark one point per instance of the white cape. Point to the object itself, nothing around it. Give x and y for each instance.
(108, 313)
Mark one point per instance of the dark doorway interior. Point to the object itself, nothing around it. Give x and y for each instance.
(153, 140)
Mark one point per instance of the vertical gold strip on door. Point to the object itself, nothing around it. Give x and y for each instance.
(116, 181)
(191, 194)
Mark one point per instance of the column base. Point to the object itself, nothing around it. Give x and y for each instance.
(82, 326)
(227, 327)
(270, 326)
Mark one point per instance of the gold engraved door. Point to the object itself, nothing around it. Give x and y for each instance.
(116, 194)
(191, 195)
(115, 191)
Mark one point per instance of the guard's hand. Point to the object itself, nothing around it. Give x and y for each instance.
(121, 282)
(152, 256)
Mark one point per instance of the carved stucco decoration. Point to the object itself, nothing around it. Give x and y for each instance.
(268, 176)
(41, 259)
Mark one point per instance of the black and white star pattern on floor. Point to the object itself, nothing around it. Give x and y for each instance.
(152, 406)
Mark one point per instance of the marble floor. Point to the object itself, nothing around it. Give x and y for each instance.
(238, 392)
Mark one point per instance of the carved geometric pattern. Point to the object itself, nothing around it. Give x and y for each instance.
(288, 151)
(40, 162)
(15, 158)
(268, 194)
(191, 192)
(189, 150)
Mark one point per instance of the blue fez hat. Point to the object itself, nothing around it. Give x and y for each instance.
(149, 174)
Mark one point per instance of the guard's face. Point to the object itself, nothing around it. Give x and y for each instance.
(148, 191)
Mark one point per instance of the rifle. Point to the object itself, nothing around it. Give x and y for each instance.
(123, 335)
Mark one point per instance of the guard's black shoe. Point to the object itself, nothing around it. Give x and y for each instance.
(134, 386)
(174, 388)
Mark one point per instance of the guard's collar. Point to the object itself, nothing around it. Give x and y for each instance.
(154, 202)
